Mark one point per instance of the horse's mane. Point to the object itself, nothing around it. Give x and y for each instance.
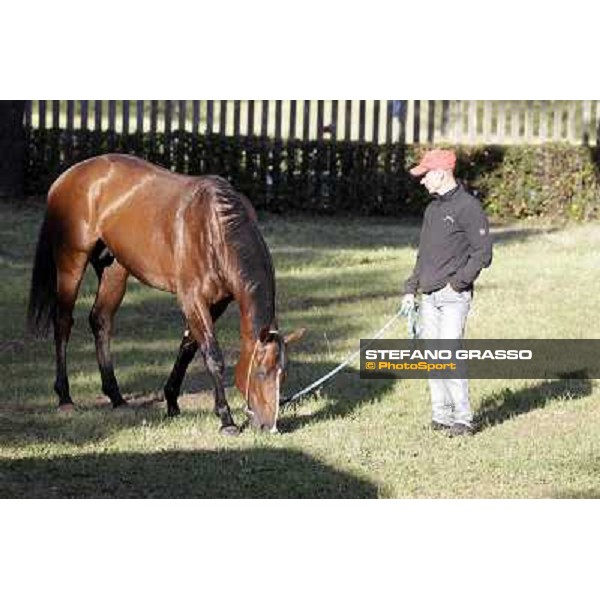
(254, 263)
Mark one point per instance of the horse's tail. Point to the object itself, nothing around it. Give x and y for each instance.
(43, 293)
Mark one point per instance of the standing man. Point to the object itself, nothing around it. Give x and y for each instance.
(454, 246)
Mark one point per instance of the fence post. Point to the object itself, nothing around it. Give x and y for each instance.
(472, 121)
(557, 128)
(223, 117)
(487, 121)
(292, 128)
(196, 116)
(458, 121)
(528, 121)
(362, 117)
(348, 120)
(182, 116)
(125, 117)
(237, 109)
(56, 114)
(501, 127)
(42, 114)
(139, 116)
(431, 121)
(543, 130)
(97, 115)
(84, 114)
(12, 147)
(586, 117)
(571, 135)
(515, 125)
(168, 116)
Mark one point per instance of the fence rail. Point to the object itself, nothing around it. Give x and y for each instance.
(467, 122)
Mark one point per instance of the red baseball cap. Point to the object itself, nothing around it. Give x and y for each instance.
(435, 159)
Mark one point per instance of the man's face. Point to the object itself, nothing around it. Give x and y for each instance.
(433, 180)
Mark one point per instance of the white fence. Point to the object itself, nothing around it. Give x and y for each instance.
(382, 121)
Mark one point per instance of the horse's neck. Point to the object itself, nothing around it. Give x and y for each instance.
(252, 281)
(253, 318)
(256, 312)
(254, 291)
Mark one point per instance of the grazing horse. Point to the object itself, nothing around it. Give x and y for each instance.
(195, 237)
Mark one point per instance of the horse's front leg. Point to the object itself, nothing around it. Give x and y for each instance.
(201, 325)
(215, 365)
(187, 351)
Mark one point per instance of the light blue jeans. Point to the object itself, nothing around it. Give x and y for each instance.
(443, 315)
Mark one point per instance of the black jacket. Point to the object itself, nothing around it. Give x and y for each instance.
(454, 246)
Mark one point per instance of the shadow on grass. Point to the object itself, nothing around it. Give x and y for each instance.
(257, 473)
(508, 236)
(93, 421)
(344, 394)
(568, 494)
(304, 240)
(504, 405)
(85, 424)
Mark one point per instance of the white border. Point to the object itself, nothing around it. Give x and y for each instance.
(298, 549)
(267, 49)
(174, 549)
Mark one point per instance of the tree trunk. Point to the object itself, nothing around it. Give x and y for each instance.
(12, 147)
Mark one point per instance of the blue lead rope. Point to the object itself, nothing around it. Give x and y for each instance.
(412, 324)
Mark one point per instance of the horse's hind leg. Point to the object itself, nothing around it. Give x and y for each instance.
(187, 351)
(70, 268)
(111, 289)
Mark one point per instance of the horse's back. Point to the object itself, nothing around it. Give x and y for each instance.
(153, 221)
(97, 190)
(126, 202)
(114, 170)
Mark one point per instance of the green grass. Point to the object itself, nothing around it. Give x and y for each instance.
(340, 279)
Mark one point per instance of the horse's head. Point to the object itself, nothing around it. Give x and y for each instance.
(261, 372)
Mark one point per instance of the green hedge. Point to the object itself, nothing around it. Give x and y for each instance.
(279, 176)
(552, 180)
(345, 177)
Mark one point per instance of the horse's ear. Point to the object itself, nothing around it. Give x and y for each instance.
(265, 335)
(294, 336)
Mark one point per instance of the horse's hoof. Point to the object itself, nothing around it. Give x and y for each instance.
(66, 408)
(173, 412)
(230, 430)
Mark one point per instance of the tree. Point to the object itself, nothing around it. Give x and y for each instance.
(12, 147)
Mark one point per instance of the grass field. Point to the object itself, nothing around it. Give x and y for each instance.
(340, 279)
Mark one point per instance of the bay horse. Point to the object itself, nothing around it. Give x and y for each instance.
(195, 237)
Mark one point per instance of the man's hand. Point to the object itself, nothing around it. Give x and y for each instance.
(408, 304)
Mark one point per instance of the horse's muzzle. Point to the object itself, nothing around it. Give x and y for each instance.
(260, 426)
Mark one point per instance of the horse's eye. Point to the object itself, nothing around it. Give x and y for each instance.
(261, 374)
